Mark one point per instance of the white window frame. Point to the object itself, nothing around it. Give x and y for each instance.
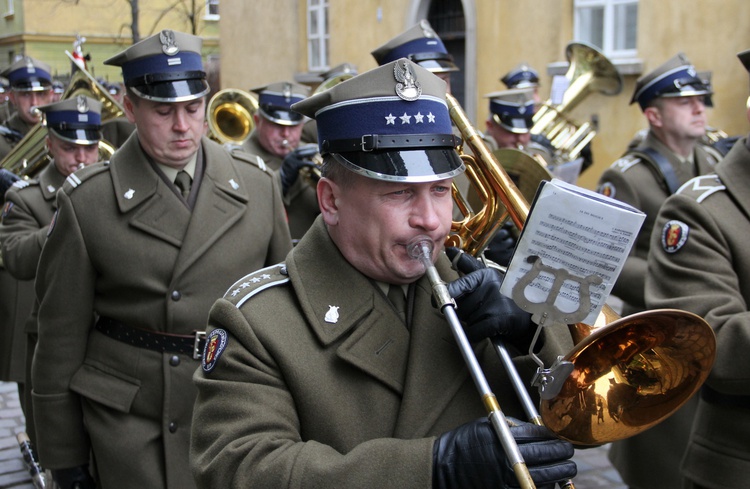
(209, 15)
(610, 22)
(10, 10)
(318, 9)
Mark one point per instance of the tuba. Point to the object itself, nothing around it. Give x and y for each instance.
(589, 71)
(30, 156)
(230, 116)
(645, 366)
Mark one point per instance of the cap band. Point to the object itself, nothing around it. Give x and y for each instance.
(374, 142)
(70, 119)
(29, 75)
(681, 81)
(186, 65)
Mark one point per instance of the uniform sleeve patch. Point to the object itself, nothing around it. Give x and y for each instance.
(674, 236)
(216, 343)
(607, 189)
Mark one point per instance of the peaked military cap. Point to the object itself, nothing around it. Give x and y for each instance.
(275, 101)
(513, 109)
(420, 44)
(522, 76)
(675, 78)
(340, 70)
(77, 120)
(391, 123)
(166, 67)
(28, 75)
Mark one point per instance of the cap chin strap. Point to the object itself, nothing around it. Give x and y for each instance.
(373, 142)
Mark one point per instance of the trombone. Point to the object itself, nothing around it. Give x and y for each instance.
(646, 365)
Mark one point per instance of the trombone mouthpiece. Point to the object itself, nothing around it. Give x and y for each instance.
(420, 248)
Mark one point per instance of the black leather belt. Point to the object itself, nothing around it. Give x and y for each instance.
(715, 397)
(191, 345)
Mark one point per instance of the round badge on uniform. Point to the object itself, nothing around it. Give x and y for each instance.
(215, 345)
(607, 189)
(674, 235)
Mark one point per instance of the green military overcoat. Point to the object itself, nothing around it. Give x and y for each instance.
(301, 200)
(125, 245)
(322, 385)
(702, 264)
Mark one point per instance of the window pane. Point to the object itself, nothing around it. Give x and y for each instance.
(313, 28)
(626, 26)
(591, 25)
(314, 53)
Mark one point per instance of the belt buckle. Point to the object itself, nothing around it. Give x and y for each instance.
(200, 336)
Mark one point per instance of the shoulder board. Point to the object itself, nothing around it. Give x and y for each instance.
(240, 154)
(701, 187)
(258, 281)
(76, 179)
(625, 163)
(24, 183)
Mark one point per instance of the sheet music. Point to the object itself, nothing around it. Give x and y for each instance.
(578, 230)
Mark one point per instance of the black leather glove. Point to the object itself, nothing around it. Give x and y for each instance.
(7, 179)
(484, 311)
(501, 247)
(472, 456)
(294, 162)
(74, 478)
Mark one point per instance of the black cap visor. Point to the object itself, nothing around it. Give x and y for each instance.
(412, 166)
(78, 136)
(32, 85)
(281, 115)
(173, 91)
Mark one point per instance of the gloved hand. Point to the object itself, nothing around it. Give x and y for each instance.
(74, 478)
(294, 162)
(472, 456)
(484, 311)
(7, 178)
(501, 247)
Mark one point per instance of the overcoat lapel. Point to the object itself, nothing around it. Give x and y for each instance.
(436, 369)
(222, 201)
(379, 345)
(735, 172)
(139, 189)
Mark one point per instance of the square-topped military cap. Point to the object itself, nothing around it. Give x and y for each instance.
(676, 77)
(77, 120)
(275, 101)
(513, 109)
(522, 76)
(343, 69)
(166, 67)
(28, 75)
(391, 123)
(420, 44)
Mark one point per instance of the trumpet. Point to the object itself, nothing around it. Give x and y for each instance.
(649, 364)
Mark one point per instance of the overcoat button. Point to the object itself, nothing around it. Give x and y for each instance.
(176, 295)
(174, 360)
(172, 427)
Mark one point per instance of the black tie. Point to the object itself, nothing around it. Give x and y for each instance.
(396, 296)
(182, 182)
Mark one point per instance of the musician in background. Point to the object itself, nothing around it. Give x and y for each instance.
(30, 86)
(523, 76)
(144, 244)
(334, 369)
(700, 262)
(672, 98)
(74, 132)
(276, 139)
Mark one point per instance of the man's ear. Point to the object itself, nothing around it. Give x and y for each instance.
(127, 104)
(328, 192)
(653, 116)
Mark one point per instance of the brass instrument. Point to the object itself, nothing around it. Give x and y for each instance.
(230, 116)
(644, 366)
(30, 156)
(589, 71)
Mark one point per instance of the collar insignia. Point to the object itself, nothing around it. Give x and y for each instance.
(51, 189)
(234, 184)
(332, 316)
(129, 194)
